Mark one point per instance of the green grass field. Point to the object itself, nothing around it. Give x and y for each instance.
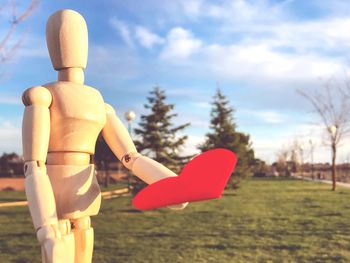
(266, 220)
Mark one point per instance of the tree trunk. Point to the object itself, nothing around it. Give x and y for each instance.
(334, 155)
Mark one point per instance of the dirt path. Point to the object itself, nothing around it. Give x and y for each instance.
(346, 185)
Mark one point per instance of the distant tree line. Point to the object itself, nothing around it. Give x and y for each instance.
(11, 165)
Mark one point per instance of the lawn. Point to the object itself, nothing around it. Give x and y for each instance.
(266, 220)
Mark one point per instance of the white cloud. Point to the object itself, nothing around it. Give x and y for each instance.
(225, 10)
(191, 144)
(300, 37)
(281, 52)
(192, 8)
(180, 45)
(266, 43)
(241, 12)
(263, 65)
(270, 116)
(130, 33)
(147, 38)
(123, 30)
(203, 105)
(286, 53)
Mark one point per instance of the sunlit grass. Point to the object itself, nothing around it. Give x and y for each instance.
(265, 220)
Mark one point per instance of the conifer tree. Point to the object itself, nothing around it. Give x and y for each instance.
(157, 136)
(223, 134)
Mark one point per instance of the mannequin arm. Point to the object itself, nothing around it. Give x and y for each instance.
(35, 140)
(120, 142)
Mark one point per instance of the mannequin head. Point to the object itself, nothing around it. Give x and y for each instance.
(67, 40)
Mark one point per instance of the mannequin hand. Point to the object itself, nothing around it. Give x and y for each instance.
(178, 206)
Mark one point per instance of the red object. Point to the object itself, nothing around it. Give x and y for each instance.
(203, 178)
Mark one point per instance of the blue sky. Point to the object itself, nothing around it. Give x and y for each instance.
(258, 52)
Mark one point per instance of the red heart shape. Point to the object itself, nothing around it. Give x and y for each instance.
(203, 178)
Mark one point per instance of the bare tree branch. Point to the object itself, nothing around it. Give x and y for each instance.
(333, 108)
(7, 50)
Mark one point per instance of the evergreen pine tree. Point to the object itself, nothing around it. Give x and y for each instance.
(223, 134)
(157, 136)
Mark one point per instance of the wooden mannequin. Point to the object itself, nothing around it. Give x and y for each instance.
(61, 123)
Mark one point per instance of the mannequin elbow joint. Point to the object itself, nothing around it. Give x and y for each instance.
(129, 159)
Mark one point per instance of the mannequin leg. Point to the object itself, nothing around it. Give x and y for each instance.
(84, 239)
(67, 238)
(57, 247)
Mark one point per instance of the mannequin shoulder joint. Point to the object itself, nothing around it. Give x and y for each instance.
(37, 96)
